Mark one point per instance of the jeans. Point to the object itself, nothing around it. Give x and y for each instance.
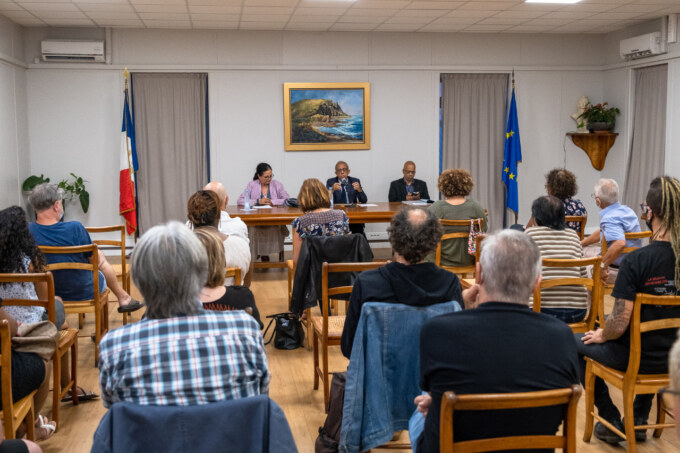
(568, 315)
(613, 355)
(416, 426)
(60, 314)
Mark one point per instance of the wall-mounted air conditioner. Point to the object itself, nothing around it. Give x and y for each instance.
(72, 51)
(641, 46)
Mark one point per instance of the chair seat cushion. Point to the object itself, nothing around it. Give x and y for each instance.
(335, 325)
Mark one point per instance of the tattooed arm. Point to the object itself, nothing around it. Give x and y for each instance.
(616, 323)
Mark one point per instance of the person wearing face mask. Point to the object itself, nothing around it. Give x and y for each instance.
(616, 220)
(653, 269)
(48, 229)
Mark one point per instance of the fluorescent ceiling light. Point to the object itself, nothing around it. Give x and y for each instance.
(552, 1)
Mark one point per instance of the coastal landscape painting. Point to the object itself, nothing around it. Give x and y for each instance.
(326, 116)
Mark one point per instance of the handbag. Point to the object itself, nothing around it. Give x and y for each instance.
(292, 203)
(288, 332)
(39, 338)
(329, 434)
(475, 230)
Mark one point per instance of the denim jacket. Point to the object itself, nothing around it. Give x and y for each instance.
(379, 397)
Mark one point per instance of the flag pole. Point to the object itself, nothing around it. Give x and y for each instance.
(513, 91)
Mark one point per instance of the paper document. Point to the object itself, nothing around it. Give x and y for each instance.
(416, 202)
(366, 205)
(264, 206)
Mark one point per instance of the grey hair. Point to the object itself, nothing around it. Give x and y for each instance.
(511, 263)
(169, 266)
(44, 195)
(674, 365)
(607, 190)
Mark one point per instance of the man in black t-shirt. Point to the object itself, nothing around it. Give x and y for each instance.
(652, 270)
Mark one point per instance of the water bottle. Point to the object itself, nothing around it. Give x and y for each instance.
(330, 192)
(246, 200)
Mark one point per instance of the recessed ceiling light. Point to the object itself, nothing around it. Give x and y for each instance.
(552, 1)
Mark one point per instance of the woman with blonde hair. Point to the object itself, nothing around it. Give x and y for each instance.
(318, 219)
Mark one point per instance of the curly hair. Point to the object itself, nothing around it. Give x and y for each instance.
(561, 183)
(313, 195)
(414, 232)
(455, 182)
(16, 242)
(203, 209)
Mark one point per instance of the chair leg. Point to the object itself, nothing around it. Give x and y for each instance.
(326, 383)
(30, 423)
(125, 318)
(97, 335)
(310, 329)
(660, 415)
(56, 386)
(74, 372)
(629, 419)
(81, 320)
(590, 402)
(315, 345)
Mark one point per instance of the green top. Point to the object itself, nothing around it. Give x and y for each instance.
(454, 251)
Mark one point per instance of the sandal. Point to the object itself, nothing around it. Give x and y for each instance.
(82, 396)
(44, 428)
(133, 305)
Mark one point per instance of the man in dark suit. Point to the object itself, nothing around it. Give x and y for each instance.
(496, 345)
(408, 188)
(347, 190)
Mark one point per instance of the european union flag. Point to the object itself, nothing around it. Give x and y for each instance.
(511, 155)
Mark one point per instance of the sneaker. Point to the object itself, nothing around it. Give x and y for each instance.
(607, 435)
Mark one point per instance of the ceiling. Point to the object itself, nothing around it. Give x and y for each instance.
(479, 16)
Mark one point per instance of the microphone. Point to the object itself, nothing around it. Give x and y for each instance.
(343, 181)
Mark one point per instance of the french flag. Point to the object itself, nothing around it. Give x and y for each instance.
(128, 166)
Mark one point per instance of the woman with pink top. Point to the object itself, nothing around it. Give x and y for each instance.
(265, 190)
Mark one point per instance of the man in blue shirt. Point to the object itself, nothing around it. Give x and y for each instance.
(71, 285)
(615, 221)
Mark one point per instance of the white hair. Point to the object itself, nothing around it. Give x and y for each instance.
(607, 190)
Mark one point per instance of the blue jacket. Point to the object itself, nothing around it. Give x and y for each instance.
(254, 425)
(352, 195)
(379, 398)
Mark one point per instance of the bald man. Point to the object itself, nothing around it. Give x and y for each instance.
(228, 225)
(408, 188)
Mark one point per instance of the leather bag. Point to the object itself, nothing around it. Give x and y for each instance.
(329, 434)
(288, 332)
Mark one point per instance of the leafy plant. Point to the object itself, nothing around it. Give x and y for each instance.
(73, 187)
(599, 113)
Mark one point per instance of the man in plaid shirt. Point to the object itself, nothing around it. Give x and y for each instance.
(180, 354)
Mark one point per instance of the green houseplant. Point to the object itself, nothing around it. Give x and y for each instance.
(599, 117)
(73, 187)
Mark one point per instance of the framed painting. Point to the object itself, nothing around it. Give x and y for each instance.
(326, 116)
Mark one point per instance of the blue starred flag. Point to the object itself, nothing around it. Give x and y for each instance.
(511, 156)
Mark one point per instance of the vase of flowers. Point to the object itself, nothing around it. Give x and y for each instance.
(599, 118)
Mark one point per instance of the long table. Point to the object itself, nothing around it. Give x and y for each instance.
(283, 215)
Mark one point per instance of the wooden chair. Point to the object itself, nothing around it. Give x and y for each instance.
(235, 273)
(567, 397)
(124, 274)
(582, 220)
(327, 329)
(68, 338)
(458, 270)
(607, 287)
(13, 414)
(594, 285)
(630, 382)
(99, 305)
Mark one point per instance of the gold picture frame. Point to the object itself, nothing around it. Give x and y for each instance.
(326, 116)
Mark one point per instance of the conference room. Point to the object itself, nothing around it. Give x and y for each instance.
(211, 88)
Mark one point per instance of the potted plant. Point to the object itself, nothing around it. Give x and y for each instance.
(599, 118)
(73, 187)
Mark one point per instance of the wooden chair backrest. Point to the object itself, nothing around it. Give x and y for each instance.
(43, 277)
(582, 220)
(637, 327)
(6, 373)
(234, 272)
(636, 235)
(594, 285)
(567, 397)
(459, 235)
(117, 243)
(92, 266)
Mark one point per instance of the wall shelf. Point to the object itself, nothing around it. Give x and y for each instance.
(595, 145)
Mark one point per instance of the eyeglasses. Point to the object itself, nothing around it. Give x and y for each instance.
(342, 170)
(644, 208)
(410, 172)
(267, 176)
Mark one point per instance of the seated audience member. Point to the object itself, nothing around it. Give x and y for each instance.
(413, 233)
(615, 221)
(347, 190)
(318, 219)
(408, 188)
(456, 184)
(29, 372)
(227, 225)
(220, 354)
(19, 446)
(561, 183)
(214, 295)
(497, 345)
(71, 285)
(203, 211)
(674, 372)
(654, 269)
(555, 241)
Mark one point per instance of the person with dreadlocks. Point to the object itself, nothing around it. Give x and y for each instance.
(654, 269)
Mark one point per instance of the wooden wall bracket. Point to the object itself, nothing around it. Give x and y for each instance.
(595, 145)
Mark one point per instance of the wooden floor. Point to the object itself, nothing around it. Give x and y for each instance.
(291, 386)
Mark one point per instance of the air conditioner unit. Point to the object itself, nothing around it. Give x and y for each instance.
(73, 51)
(641, 46)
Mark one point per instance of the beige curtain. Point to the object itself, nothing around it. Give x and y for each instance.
(170, 126)
(473, 125)
(648, 145)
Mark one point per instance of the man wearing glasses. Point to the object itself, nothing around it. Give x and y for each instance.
(347, 190)
(408, 188)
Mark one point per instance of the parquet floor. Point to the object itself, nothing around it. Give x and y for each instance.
(291, 386)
